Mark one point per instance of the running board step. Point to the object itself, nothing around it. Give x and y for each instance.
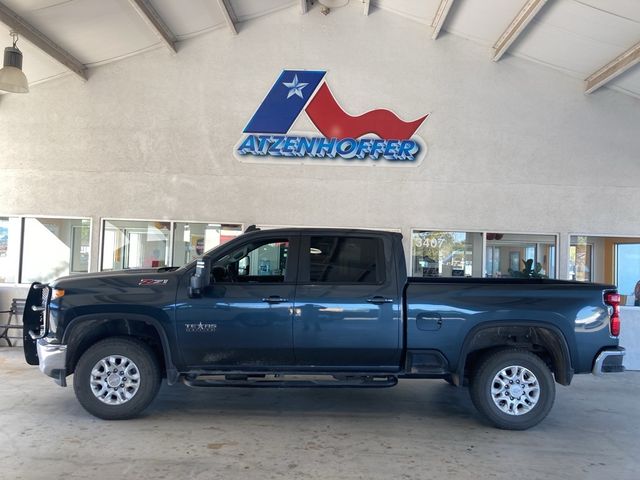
(250, 382)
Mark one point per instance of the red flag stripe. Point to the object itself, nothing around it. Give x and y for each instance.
(334, 122)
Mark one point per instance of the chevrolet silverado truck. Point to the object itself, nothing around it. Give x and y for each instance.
(318, 308)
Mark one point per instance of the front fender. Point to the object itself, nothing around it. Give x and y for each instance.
(84, 325)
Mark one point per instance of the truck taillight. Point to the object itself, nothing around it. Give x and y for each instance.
(613, 300)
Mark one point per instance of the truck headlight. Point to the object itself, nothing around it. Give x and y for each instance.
(57, 293)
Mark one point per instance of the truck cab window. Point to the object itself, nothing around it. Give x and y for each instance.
(262, 261)
(336, 259)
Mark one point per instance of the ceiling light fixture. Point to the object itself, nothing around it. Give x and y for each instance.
(333, 3)
(327, 5)
(12, 79)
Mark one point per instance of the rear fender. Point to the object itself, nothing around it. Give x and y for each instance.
(491, 334)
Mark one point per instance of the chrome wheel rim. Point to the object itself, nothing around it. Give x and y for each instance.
(115, 379)
(515, 390)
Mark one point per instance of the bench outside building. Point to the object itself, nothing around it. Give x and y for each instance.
(11, 325)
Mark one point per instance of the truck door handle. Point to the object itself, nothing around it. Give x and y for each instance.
(378, 300)
(274, 299)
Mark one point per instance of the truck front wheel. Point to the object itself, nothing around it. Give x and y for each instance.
(117, 378)
(514, 389)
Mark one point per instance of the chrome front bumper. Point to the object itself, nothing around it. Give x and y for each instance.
(609, 361)
(52, 360)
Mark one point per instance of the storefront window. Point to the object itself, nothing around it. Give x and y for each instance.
(580, 259)
(54, 247)
(190, 240)
(610, 260)
(446, 254)
(520, 255)
(628, 269)
(9, 249)
(135, 244)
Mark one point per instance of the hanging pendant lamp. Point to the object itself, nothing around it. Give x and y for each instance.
(12, 79)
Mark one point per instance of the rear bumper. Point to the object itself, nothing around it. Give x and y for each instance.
(609, 361)
(53, 360)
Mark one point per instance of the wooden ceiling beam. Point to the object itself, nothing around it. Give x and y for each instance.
(153, 19)
(441, 15)
(229, 15)
(516, 27)
(611, 70)
(39, 40)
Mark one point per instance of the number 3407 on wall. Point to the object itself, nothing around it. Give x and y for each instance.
(433, 242)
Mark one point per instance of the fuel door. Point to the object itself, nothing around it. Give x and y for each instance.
(429, 321)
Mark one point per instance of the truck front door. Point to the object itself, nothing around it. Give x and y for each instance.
(244, 318)
(347, 308)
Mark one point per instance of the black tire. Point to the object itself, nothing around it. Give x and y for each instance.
(482, 382)
(147, 368)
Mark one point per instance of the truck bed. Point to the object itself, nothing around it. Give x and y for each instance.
(445, 311)
(508, 281)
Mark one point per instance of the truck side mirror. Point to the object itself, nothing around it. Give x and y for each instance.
(201, 279)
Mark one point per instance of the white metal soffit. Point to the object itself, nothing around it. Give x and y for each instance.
(597, 41)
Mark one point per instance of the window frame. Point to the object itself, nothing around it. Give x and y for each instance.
(523, 243)
(74, 228)
(616, 255)
(103, 221)
(22, 218)
(592, 271)
(290, 274)
(304, 265)
(18, 272)
(171, 235)
(409, 247)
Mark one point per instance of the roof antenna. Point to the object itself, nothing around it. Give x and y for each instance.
(251, 228)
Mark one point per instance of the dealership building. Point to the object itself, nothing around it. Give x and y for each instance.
(499, 140)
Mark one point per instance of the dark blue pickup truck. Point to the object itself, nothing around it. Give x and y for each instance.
(318, 308)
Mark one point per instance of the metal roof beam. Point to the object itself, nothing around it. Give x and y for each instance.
(155, 21)
(516, 27)
(229, 15)
(611, 70)
(34, 36)
(441, 15)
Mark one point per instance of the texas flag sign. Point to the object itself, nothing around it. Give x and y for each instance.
(377, 136)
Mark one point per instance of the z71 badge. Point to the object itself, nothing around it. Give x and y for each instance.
(148, 282)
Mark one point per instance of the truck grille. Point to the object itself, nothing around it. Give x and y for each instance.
(37, 305)
(35, 320)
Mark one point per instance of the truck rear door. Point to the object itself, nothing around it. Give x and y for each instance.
(347, 310)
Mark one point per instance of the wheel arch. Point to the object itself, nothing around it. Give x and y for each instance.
(545, 340)
(85, 330)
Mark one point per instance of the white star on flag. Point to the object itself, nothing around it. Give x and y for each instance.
(295, 87)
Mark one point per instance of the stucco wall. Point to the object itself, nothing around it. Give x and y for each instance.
(513, 146)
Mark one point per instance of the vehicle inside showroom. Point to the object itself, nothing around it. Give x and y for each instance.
(446, 190)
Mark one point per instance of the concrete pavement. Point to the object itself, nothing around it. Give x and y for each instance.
(417, 430)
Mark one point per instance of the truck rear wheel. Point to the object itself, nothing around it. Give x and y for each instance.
(117, 378)
(514, 389)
